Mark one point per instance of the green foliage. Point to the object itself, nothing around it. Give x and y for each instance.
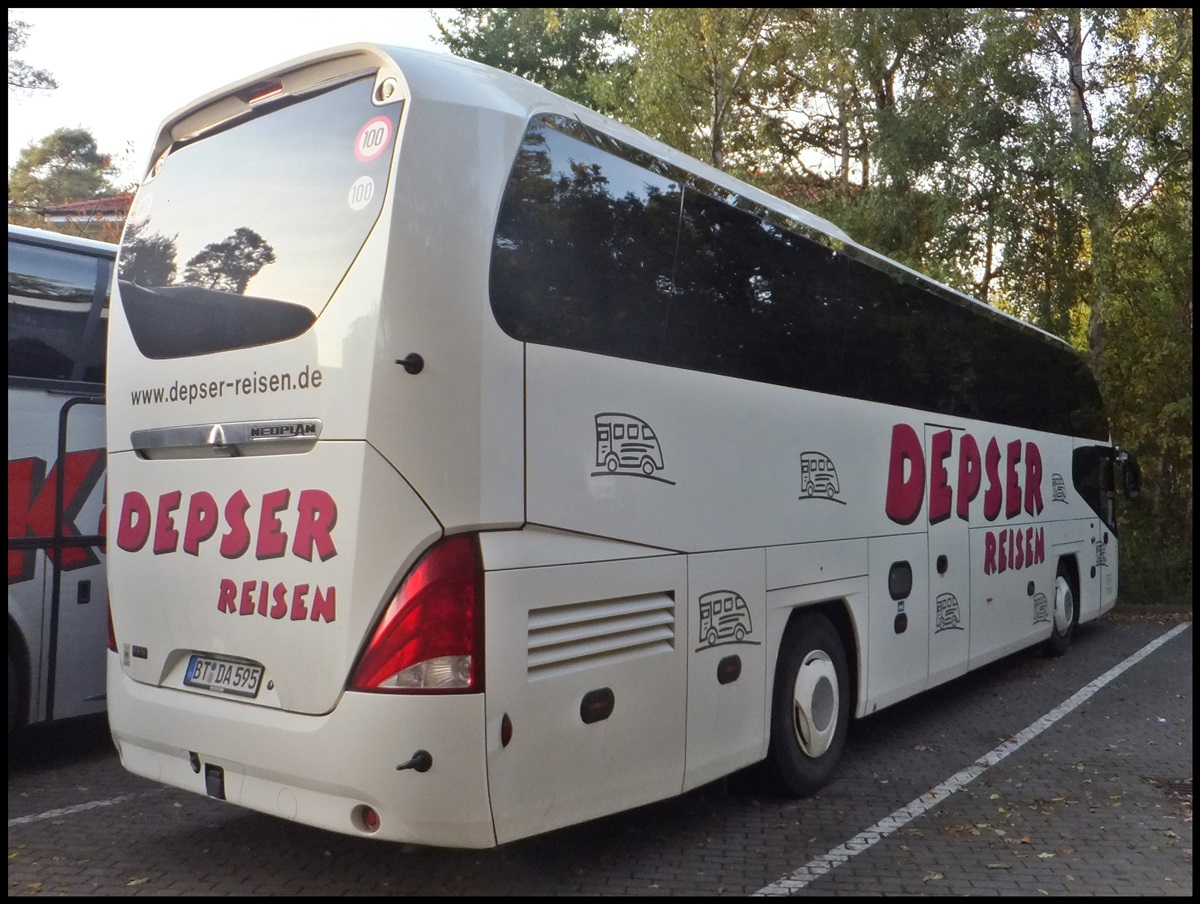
(697, 76)
(575, 52)
(1152, 572)
(63, 166)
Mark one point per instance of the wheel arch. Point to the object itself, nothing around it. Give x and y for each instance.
(837, 610)
(1071, 561)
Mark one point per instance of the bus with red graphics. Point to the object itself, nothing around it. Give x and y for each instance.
(379, 561)
(58, 287)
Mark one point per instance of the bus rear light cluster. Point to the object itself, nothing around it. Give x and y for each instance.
(430, 637)
(112, 633)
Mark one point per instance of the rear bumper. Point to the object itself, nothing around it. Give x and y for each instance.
(318, 770)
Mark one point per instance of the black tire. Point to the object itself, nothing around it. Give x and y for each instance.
(1064, 613)
(810, 709)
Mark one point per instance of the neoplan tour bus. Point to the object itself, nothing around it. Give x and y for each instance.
(58, 289)
(374, 308)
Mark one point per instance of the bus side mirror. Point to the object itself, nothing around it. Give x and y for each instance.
(1131, 472)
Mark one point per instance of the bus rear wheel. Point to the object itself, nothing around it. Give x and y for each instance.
(1066, 612)
(810, 710)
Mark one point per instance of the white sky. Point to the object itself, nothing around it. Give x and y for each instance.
(121, 72)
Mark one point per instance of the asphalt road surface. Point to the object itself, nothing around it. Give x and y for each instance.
(1059, 776)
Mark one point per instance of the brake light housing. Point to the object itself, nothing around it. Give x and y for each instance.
(430, 637)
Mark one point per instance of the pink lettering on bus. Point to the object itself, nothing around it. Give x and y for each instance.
(1014, 487)
(310, 524)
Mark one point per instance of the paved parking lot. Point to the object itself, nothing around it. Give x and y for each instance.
(989, 785)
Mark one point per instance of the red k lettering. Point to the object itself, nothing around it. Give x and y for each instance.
(32, 507)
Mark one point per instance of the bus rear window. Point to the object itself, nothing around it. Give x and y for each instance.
(243, 235)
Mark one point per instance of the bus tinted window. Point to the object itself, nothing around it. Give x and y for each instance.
(749, 295)
(594, 251)
(55, 325)
(244, 235)
(584, 249)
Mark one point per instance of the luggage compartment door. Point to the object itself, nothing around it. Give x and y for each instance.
(586, 689)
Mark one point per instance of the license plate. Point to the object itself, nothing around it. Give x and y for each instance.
(238, 677)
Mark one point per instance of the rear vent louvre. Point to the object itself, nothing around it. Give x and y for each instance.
(564, 638)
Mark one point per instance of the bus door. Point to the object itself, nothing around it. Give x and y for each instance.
(949, 558)
(78, 590)
(1094, 477)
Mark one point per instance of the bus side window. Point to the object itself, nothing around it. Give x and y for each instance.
(618, 431)
(633, 431)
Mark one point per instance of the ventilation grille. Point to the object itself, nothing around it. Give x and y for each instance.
(564, 638)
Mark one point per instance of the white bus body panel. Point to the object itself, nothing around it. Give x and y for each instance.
(730, 451)
(317, 769)
(257, 588)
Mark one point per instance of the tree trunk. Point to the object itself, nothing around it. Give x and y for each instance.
(1094, 190)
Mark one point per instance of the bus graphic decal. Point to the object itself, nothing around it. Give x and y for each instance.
(818, 477)
(1058, 488)
(627, 445)
(724, 619)
(949, 616)
(1041, 609)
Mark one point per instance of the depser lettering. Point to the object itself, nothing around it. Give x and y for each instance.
(311, 528)
(1014, 477)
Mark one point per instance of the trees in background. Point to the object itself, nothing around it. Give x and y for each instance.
(22, 76)
(64, 166)
(572, 51)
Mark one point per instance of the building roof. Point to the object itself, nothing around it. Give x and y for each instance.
(115, 207)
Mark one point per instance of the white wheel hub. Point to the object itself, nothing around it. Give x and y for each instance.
(1064, 605)
(815, 703)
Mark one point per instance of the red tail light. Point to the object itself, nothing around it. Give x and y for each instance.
(431, 635)
(112, 634)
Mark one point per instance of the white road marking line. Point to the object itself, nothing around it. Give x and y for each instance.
(863, 841)
(80, 808)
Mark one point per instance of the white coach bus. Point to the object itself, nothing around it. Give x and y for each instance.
(365, 571)
(57, 593)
